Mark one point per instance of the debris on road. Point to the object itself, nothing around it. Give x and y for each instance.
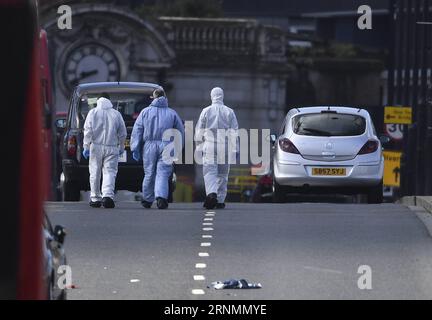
(235, 284)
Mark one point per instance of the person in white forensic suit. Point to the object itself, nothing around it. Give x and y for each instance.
(219, 147)
(104, 141)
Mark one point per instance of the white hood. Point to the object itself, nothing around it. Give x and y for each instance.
(217, 95)
(104, 126)
(104, 103)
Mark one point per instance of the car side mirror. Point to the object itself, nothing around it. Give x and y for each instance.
(384, 139)
(273, 138)
(59, 234)
(60, 123)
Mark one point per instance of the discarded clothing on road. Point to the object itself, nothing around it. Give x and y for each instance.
(235, 284)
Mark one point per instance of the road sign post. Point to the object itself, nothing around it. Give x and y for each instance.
(392, 162)
(398, 115)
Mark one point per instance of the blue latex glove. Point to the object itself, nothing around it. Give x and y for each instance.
(136, 155)
(86, 153)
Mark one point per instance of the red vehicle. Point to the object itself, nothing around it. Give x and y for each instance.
(48, 132)
(25, 172)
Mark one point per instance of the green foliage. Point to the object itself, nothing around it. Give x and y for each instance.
(182, 8)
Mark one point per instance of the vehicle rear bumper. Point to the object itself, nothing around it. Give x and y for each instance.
(299, 175)
(129, 177)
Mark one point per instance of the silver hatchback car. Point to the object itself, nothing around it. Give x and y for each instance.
(328, 150)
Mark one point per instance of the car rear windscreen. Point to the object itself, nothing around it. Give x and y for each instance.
(128, 104)
(329, 124)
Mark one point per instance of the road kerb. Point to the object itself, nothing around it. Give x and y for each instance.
(419, 201)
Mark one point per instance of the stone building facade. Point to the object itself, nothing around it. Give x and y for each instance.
(255, 64)
(185, 55)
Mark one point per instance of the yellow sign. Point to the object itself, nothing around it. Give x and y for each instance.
(398, 115)
(392, 161)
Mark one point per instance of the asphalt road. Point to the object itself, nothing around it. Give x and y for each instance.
(295, 250)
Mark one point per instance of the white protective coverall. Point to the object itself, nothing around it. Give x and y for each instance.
(105, 135)
(216, 164)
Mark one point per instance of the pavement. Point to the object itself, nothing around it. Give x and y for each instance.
(295, 250)
(421, 201)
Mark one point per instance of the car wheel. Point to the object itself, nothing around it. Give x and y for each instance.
(279, 195)
(375, 194)
(70, 191)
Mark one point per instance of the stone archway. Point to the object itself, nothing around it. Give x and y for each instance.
(105, 43)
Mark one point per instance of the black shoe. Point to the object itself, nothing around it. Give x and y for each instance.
(220, 205)
(162, 203)
(95, 204)
(210, 201)
(108, 203)
(146, 204)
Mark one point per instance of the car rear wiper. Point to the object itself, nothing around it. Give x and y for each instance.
(321, 132)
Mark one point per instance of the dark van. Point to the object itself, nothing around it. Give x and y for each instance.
(129, 98)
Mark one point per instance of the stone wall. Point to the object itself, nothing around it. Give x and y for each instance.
(187, 56)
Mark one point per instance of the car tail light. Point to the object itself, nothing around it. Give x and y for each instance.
(287, 146)
(369, 147)
(72, 145)
(266, 180)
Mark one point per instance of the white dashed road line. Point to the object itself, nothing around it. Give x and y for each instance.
(198, 291)
(208, 222)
